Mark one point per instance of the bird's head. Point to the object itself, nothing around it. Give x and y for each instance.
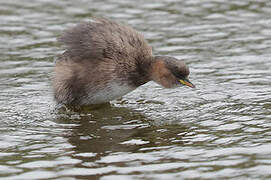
(170, 72)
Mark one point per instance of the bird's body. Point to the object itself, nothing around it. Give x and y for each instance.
(105, 60)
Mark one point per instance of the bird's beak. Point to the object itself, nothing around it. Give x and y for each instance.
(186, 82)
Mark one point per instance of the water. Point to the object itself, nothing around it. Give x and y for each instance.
(220, 130)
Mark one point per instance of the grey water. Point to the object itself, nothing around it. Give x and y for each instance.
(220, 130)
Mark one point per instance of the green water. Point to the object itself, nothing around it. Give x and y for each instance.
(220, 130)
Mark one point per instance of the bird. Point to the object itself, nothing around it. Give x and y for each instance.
(103, 60)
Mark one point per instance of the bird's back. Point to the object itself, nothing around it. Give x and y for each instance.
(102, 38)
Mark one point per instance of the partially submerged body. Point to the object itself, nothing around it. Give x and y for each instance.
(105, 60)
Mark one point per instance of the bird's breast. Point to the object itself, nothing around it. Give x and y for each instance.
(107, 93)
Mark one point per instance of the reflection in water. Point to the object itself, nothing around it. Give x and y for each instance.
(110, 129)
(101, 134)
(103, 129)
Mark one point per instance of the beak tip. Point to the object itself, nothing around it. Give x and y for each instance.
(191, 85)
(187, 83)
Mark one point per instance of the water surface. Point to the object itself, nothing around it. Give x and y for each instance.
(221, 129)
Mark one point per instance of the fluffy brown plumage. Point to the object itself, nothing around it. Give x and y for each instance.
(104, 60)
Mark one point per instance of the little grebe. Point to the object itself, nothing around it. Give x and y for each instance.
(105, 60)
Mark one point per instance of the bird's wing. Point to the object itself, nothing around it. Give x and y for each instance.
(101, 38)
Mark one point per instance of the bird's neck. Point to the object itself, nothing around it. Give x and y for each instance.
(160, 73)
